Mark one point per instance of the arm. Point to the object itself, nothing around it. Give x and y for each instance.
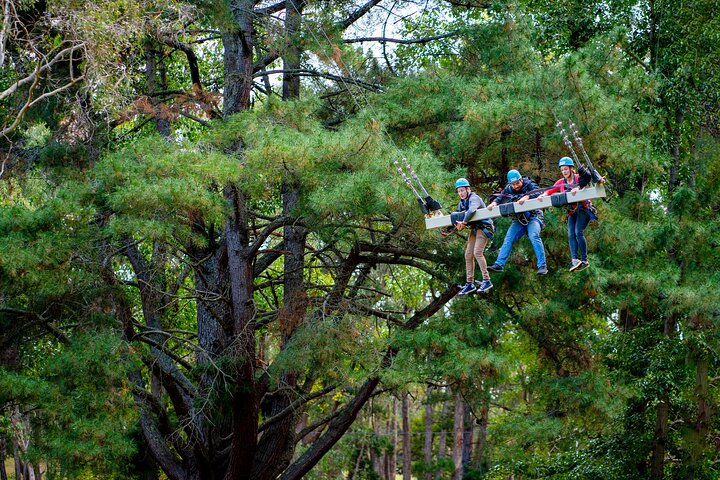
(528, 186)
(587, 175)
(503, 197)
(475, 203)
(557, 189)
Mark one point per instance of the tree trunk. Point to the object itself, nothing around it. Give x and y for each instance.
(392, 459)
(353, 473)
(3, 456)
(538, 150)
(467, 436)
(480, 462)
(442, 443)
(238, 48)
(702, 422)
(657, 460)
(244, 402)
(18, 462)
(291, 59)
(458, 437)
(29, 471)
(406, 436)
(427, 447)
(162, 124)
(504, 154)
(652, 34)
(676, 134)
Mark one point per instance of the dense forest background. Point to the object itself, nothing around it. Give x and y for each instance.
(209, 268)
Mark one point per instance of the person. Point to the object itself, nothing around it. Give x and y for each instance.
(580, 214)
(530, 223)
(479, 236)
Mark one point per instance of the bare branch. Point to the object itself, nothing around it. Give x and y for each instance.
(314, 73)
(265, 61)
(267, 231)
(42, 67)
(270, 9)
(358, 14)
(293, 406)
(431, 308)
(30, 103)
(400, 40)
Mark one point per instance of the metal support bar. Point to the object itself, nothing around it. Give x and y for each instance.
(587, 193)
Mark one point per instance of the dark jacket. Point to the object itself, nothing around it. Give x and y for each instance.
(586, 176)
(509, 194)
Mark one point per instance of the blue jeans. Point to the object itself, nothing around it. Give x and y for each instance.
(515, 233)
(576, 236)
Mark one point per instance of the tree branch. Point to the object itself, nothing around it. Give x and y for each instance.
(42, 67)
(314, 73)
(267, 231)
(191, 58)
(431, 308)
(270, 9)
(30, 103)
(293, 406)
(265, 61)
(337, 428)
(400, 40)
(358, 14)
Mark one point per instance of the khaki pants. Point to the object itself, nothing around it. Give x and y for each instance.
(475, 250)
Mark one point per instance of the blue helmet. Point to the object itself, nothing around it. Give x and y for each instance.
(566, 162)
(513, 176)
(461, 182)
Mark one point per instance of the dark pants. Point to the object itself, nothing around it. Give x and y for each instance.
(577, 222)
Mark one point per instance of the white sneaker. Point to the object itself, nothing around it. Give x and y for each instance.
(575, 264)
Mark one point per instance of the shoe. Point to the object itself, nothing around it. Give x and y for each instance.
(468, 288)
(574, 264)
(496, 268)
(582, 266)
(542, 271)
(484, 286)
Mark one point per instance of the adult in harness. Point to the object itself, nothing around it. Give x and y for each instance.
(519, 189)
(481, 233)
(580, 214)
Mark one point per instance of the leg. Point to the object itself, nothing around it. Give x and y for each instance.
(533, 228)
(583, 218)
(513, 235)
(479, 252)
(572, 239)
(469, 260)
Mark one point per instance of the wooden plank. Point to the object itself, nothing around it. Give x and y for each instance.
(587, 193)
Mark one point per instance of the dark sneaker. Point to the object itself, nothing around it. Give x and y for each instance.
(468, 288)
(496, 268)
(582, 266)
(484, 286)
(574, 264)
(542, 271)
